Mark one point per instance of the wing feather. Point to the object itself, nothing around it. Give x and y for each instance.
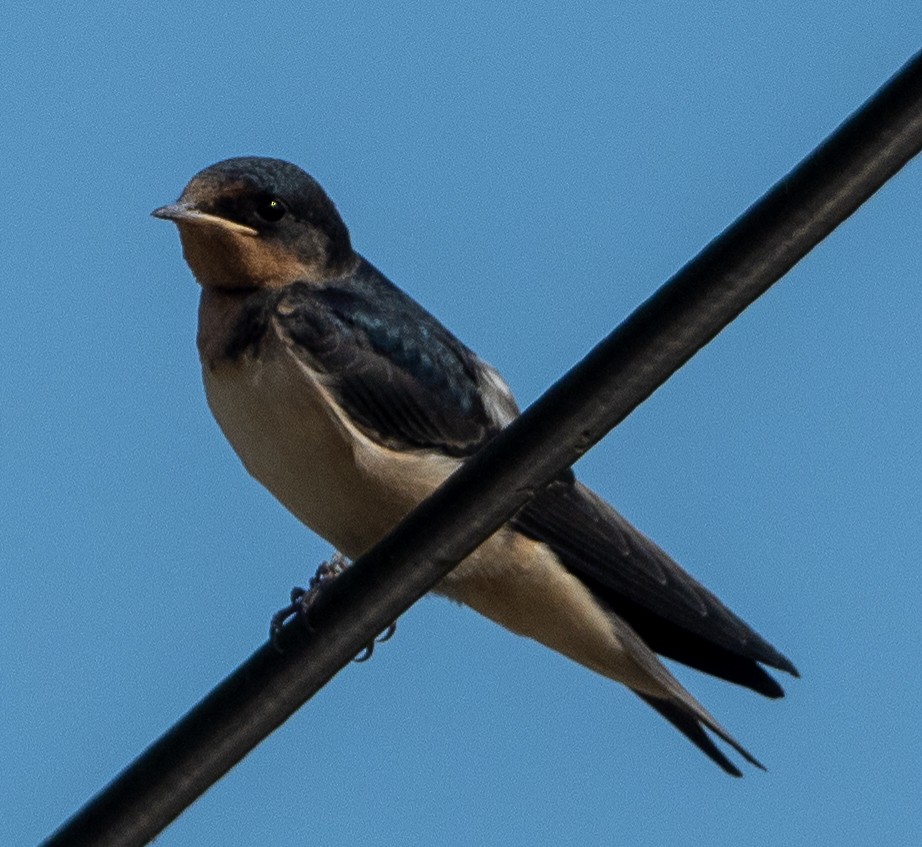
(673, 613)
(404, 379)
(409, 384)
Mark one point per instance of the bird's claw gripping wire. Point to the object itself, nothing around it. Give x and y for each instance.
(369, 648)
(303, 599)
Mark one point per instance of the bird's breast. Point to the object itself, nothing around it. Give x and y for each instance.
(293, 438)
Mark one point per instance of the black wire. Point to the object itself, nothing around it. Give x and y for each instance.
(577, 411)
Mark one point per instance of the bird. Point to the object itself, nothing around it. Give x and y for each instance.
(351, 403)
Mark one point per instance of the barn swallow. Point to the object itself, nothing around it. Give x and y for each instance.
(351, 404)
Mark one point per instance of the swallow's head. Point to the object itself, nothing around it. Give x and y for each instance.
(252, 222)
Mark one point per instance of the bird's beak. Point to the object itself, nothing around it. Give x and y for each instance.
(186, 213)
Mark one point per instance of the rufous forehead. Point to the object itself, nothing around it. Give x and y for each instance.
(205, 190)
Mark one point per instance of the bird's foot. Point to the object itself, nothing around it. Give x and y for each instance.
(369, 648)
(303, 599)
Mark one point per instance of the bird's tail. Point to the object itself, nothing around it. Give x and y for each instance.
(665, 693)
(691, 720)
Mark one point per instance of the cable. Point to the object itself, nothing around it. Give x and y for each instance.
(599, 392)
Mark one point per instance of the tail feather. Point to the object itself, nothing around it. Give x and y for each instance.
(691, 724)
(666, 694)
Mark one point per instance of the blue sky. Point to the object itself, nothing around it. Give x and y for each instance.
(530, 176)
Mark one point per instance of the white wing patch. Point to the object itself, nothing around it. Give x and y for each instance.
(498, 400)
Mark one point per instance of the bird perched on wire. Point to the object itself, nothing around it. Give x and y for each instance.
(351, 403)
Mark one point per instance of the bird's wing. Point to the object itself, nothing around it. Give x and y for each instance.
(673, 613)
(408, 383)
(402, 378)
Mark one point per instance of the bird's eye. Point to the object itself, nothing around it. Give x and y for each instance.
(271, 210)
